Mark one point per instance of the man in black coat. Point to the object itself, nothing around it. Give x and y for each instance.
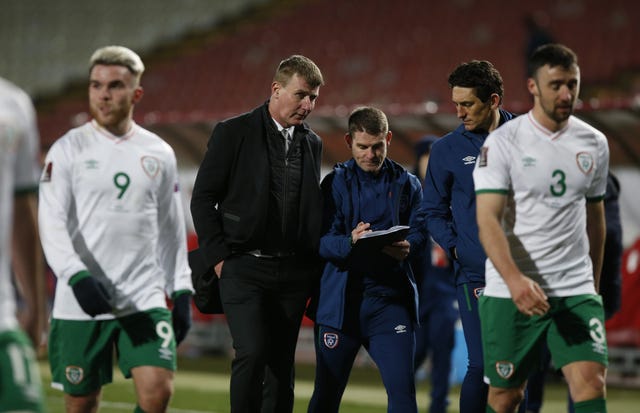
(256, 207)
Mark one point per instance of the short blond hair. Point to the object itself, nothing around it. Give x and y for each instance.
(120, 56)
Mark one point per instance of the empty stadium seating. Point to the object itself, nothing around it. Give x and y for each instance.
(396, 55)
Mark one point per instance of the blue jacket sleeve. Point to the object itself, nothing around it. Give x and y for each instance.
(335, 243)
(418, 233)
(438, 185)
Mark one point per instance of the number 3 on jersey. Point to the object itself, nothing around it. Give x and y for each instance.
(560, 186)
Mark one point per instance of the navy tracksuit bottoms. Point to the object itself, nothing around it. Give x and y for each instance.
(385, 328)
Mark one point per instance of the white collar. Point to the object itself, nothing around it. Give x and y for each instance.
(280, 128)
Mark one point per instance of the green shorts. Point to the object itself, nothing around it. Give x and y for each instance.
(20, 386)
(81, 352)
(512, 342)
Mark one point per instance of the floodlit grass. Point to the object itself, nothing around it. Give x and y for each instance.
(202, 387)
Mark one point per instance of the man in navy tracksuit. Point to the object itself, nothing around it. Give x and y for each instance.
(450, 205)
(371, 300)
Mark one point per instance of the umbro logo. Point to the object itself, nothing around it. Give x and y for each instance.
(91, 164)
(165, 354)
(469, 160)
(400, 329)
(528, 161)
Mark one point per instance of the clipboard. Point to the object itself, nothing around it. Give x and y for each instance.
(373, 242)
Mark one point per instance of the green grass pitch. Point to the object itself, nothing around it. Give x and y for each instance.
(201, 386)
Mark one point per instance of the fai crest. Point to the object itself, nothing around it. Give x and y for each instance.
(505, 369)
(330, 340)
(478, 292)
(74, 374)
(150, 165)
(585, 162)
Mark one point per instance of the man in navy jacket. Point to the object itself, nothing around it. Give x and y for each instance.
(450, 204)
(368, 300)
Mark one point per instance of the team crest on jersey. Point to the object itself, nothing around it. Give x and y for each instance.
(585, 162)
(74, 374)
(482, 160)
(505, 369)
(150, 165)
(330, 340)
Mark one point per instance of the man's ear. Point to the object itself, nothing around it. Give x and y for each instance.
(137, 94)
(532, 86)
(348, 140)
(275, 89)
(495, 100)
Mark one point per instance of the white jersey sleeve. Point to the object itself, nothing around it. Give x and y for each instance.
(172, 245)
(27, 165)
(19, 170)
(491, 173)
(55, 212)
(599, 184)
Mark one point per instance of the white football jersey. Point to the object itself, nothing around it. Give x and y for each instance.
(548, 176)
(110, 205)
(19, 170)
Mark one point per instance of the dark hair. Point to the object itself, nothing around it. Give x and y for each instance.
(552, 54)
(480, 75)
(368, 119)
(301, 65)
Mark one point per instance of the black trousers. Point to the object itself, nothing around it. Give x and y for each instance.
(264, 301)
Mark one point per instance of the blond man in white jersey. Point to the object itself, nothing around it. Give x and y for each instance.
(20, 387)
(540, 182)
(113, 231)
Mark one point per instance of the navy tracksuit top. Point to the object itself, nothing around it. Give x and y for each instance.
(450, 201)
(401, 203)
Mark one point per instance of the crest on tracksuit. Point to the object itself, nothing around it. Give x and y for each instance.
(330, 340)
(478, 292)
